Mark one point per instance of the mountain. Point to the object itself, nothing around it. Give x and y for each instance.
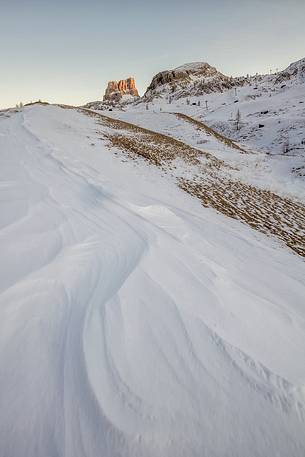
(271, 107)
(199, 78)
(195, 78)
(152, 291)
(118, 91)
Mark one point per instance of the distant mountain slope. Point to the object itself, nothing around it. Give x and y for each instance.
(198, 78)
(189, 79)
(271, 107)
(294, 73)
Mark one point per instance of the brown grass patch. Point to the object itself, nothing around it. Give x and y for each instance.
(262, 210)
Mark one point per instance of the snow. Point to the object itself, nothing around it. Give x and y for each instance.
(135, 322)
(257, 168)
(191, 66)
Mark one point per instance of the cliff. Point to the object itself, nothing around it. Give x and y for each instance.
(116, 90)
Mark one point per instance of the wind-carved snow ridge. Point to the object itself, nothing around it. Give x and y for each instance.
(133, 321)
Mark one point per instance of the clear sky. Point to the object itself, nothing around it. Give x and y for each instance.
(66, 50)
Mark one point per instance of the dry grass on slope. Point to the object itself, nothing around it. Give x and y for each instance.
(155, 147)
(262, 210)
(211, 132)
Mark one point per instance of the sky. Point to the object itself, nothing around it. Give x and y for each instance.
(65, 51)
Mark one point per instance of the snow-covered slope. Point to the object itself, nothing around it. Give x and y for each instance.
(272, 117)
(295, 73)
(252, 165)
(133, 321)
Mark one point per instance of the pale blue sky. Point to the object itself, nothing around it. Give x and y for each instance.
(67, 50)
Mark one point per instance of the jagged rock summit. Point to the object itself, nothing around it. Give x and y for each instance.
(189, 79)
(117, 91)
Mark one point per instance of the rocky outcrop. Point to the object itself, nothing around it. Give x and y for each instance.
(117, 90)
(295, 71)
(190, 79)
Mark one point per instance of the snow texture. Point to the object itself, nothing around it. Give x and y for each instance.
(135, 322)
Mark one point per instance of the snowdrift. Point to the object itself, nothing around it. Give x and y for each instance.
(134, 321)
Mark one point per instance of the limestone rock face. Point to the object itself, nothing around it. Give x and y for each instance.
(116, 90)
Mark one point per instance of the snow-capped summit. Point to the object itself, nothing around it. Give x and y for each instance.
(195, 67)
(193, 78)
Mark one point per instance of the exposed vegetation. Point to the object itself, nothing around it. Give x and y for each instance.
(261, 209)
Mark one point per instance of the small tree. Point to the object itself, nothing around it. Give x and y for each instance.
(238, 119)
